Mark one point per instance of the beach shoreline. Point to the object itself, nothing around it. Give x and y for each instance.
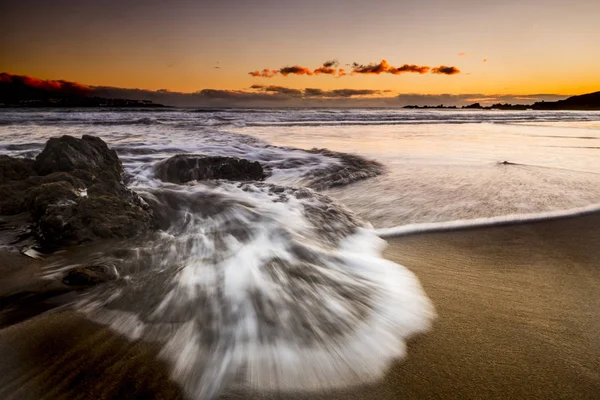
(517, 306)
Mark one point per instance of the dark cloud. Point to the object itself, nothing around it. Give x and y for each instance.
(295, 70)
(328, 69)
(58, 87)
(265, 73)
(325, 70)
(409, 68)
(236, 95)
(278, 89)
(311, 92)
(382, 67)
(444, 70)
(385, 67)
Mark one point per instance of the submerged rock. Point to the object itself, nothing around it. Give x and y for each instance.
(350, 168)
(74, 193)
(91, 275)
(184, 168)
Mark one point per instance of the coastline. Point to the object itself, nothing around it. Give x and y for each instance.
(518, 318)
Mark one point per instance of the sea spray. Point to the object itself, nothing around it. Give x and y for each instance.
(261, 286)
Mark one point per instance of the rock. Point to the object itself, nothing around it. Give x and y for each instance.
(14, 197)
(350, 168)
(14, 183)
(91, 275)
(78, 195)
(12, 169)
(68, 154)
(49, 194)
(184, 168)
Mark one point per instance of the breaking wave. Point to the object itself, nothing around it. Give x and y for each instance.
(258, 285)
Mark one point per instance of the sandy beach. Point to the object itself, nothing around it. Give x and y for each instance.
(518, 318)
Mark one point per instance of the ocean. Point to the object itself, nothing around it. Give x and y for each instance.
(281, 284)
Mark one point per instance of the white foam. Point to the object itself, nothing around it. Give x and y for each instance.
(283, 307)
(410, 229)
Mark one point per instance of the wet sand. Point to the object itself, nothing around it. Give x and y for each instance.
(519, 318)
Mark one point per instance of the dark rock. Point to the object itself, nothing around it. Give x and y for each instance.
(78, 195)
(91, 275)
(14, 199)
(350, 168)
(90, 154)
(184, 168)
(109, 210)
(12, 169)
(47, 195)
(14, 182)
(59, 177)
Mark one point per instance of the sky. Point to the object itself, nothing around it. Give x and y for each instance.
(497, 48)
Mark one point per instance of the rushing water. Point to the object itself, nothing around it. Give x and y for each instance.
(278, 286)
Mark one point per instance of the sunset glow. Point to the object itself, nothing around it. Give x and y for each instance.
(429, 47)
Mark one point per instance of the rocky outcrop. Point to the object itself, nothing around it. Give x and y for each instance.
(73, 193)
(12, 169)
(184, 168)
(69, 154)
(350, 168)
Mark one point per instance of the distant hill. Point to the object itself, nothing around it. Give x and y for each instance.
(590, 101)
(24, 91)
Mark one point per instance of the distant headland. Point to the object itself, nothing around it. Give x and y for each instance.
(590, 101)
(23, 91)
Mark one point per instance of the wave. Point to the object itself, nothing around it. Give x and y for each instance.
(426, 227)
(283, 117)
(259, 285)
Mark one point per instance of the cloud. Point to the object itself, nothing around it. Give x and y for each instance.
(58, 87)
(278, 89)
(409, 68)
(314, 92)
(295, 70)
(327, 68)
(310, 92)
(235, 95)
(462, 54)
(385, 67)
(267, 95)
(265, 73)
(444, 70)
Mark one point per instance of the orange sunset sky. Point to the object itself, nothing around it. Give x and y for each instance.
(531, 46)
